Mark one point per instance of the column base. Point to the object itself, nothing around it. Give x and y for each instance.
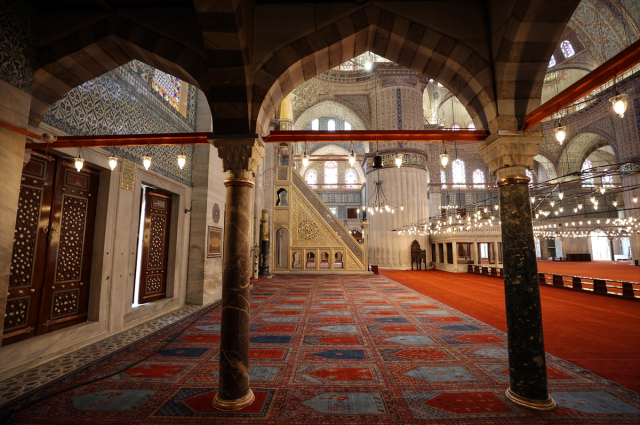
(547, 405)
(236, 404)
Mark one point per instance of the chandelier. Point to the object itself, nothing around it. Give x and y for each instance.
(378, 201)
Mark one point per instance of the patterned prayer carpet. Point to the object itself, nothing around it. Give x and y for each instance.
(327, 350)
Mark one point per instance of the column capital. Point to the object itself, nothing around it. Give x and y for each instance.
(509, 154)
(239, 154)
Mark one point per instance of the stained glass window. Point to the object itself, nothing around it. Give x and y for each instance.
(607, 179)
(567, 49)
(552, 61)
(443, 178)
(458, 173)
(478, 178)
(347, 126)
(472, 126)
(530, 175)
(587, 176)
(350, 177)
(311, 177)
(315, 124)
(168, 87)
(456, 127)
(331, 125)
(331, 174)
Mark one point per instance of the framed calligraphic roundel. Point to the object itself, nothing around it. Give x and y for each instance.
(307, 229)
(216, 213)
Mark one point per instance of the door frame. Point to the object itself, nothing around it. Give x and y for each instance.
(114, 241)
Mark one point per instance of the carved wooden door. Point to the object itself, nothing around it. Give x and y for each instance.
(29, 250)
(65, 295)
(155, 246)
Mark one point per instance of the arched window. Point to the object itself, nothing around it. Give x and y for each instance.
(347, 126)
(331, 125)
(443, 178)
(607, 179)
(168, 87)
(311, 177)
(315, 124)
(458, 173)
(478, 178)
(350, 177)
(331, 174)
(456, 127)
(587, 176)
(552, 61)
(472, 126)
(567, 49)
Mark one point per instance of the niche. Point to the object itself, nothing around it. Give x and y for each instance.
(282, 198)
(282, 248)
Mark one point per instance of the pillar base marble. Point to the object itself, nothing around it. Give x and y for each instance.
(547, 405)
(237, 404)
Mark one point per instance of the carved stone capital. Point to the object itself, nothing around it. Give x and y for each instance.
(239, 155)
(509, 155)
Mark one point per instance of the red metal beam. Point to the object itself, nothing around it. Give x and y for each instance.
(124, 140)
(314, 136)
(599, 76)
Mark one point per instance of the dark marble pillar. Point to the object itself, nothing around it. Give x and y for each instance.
(240, 158)
(527, 364)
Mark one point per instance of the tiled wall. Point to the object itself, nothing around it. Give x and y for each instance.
(123, 102)
(17, 53)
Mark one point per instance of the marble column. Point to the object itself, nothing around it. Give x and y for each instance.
(240, 158)
(613, 257)
(508, 156)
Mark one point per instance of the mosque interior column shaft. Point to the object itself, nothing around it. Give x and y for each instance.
(240, 158)
(508, 157)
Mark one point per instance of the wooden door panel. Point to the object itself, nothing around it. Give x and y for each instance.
(155, 246)
(29, 250)
(65, 294)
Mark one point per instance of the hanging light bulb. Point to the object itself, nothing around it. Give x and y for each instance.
(78, 162)
(615, 203)
(575, 210)
(399, 160)
(593, 199)
(367, 65)
(561, 195)
(561, 133)
(619, 103)
(635, 199)
(113, 162)
(495, 207)
(561, 209)
(401, 207)
(182, 159)
(579, 206)
(146, 161)
(444, 159)
(352, 158)
(305, 160)
(602, 189)
(533, 199)
(552, 203)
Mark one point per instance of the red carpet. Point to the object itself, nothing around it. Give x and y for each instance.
(598, 333)
(619, 270)
(353, 350)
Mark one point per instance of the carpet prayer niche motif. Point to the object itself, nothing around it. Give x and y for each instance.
(331, 350)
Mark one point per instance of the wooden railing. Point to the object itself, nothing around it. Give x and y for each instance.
(616, 288)
(485, 270)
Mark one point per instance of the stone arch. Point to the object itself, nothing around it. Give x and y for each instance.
(520, 68)
(318, 110)
(102, 47)
(575, 152)
(333, 149)
(423, 50)
(547, 165)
